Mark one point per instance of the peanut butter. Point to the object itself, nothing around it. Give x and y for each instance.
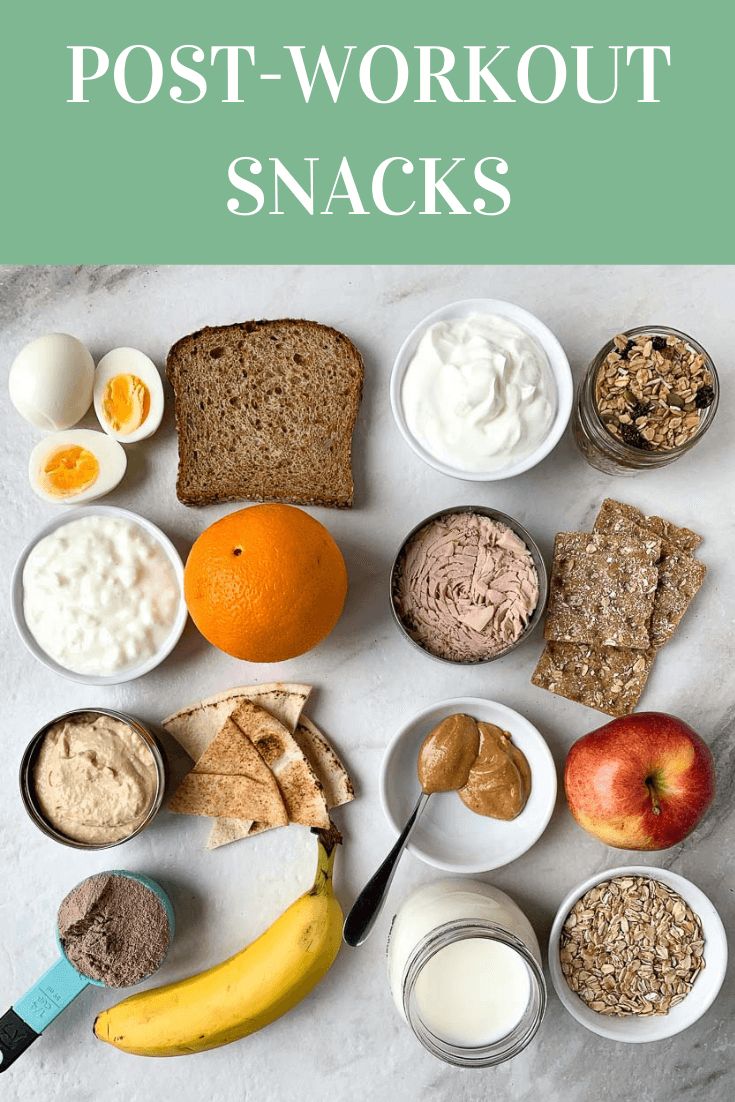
(480, 762)
(499, 781)
(448, 753)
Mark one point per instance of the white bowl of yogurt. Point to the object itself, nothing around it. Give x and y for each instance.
(481, 390)
(98, 595)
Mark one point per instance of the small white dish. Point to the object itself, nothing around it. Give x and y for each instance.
(129, 673)
(448, 835)
(638, 1030)
(558, 364)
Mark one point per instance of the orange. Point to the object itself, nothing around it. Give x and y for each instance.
(266, 583)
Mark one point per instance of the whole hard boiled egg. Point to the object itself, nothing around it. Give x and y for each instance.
(78, 465)
(51, 381)
(128, 395)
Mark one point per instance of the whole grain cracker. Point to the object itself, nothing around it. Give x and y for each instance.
(613, 512)
(602, 589)
(680, 575)
(610, 679)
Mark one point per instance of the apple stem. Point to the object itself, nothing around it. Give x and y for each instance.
(654, 797)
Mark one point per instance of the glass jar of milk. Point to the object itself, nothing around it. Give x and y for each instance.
(465, 972)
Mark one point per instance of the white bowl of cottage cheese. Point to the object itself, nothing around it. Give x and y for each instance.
(481, 390)
(98, 595)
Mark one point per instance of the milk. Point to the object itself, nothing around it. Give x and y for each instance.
(473, 992)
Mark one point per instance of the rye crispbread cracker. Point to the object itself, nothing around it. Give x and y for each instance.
(612, 513)
(610, 679)
(602, 589)
(680, 575)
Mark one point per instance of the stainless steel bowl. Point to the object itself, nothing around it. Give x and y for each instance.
(538, 562)
(27, 788)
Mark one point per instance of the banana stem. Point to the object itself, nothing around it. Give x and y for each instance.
(327, 840)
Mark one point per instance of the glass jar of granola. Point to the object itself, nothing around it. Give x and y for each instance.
(648, 396)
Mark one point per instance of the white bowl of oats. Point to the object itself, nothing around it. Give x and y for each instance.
(637, 953)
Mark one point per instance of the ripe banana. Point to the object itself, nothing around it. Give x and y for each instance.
(246, 992)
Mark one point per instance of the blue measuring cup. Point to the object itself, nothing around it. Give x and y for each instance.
(57, 988)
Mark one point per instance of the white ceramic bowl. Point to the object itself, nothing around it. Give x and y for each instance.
(129, 673)
(635, 1030)
(448, 835)
(558, 363)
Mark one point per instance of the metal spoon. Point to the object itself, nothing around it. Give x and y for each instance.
(367, 906)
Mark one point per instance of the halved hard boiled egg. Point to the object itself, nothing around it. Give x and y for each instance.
(128, 395)
(75, 466)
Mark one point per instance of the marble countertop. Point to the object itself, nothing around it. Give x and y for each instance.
(347, 1041)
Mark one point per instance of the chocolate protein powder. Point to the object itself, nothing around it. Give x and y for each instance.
(114, 929)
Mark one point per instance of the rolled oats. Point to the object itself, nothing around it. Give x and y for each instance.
(631, 946)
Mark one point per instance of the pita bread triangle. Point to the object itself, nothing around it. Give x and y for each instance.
(237, 782)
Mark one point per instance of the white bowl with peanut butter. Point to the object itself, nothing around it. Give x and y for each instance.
(492, 779)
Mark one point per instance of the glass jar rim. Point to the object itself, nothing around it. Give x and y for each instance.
(497, 1052)
(619, 447)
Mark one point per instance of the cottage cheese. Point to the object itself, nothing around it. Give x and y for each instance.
(99, 595)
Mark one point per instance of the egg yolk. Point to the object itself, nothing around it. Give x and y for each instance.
(70, 470)
(126, 403)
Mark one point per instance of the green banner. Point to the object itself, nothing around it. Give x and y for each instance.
(467, 132)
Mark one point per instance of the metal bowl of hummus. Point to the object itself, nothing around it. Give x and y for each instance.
(93, 778)
(468, 585)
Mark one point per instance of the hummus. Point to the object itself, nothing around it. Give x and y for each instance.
(480, 762)
(466, 587)
(94, 778)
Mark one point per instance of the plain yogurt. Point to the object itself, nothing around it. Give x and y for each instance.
(99, 595)
(479, 393)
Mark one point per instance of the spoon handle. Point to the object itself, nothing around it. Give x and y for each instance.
(367, 906)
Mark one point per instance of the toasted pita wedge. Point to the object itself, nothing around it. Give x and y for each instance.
(195, 727)
(225, 831)
(217, 794)
(300, 787)
(232, 754)
(335, 780)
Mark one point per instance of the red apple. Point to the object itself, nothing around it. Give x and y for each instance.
(640, 782)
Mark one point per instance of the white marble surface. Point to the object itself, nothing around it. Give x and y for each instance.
(346, 1041)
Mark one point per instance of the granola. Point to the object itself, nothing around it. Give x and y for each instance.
(602, 589)
(652, 390)
(631, 946)
(610, 679)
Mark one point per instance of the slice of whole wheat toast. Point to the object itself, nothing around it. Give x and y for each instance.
(265, 411)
